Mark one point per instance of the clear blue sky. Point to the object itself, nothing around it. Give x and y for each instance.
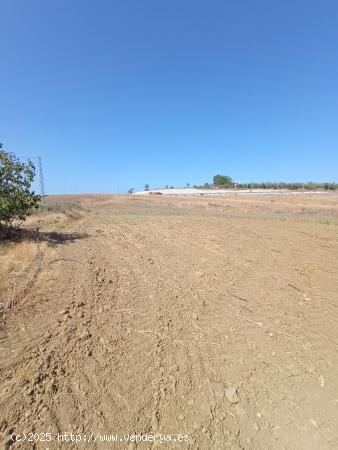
(115, 94)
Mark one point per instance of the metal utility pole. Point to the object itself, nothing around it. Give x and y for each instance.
(40, 171)
(42, 181)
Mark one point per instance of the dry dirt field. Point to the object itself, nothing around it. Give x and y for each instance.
(209, 317)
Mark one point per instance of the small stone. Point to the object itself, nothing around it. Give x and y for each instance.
(256, 427)
(52, 388)
(314, 423)
(85, 335)
(43, 410)
(29, 391)
(180, 417)
(231, 395)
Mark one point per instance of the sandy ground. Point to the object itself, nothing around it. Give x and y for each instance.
(212, 318)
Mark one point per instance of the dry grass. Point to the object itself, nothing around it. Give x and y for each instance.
(18, 269)
(50, 205)
(21, 257)
(17, 255)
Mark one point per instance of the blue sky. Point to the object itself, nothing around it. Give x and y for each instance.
(115, 94)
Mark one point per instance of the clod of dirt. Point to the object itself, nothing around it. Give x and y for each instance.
(85, 335)
(52, 388)
(232, 395)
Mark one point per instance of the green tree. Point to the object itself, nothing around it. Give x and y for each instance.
(222, 180)
(17, 200)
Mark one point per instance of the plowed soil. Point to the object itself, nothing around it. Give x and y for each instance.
(213, 318)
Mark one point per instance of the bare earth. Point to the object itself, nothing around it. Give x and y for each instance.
(215, 318)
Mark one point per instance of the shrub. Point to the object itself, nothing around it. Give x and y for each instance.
(16, 197)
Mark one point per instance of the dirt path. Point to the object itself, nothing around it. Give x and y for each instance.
(178, 321)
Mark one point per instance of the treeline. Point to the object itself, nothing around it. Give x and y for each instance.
(226, 182)
(310, 186)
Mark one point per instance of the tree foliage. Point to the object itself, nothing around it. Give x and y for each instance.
(222, 181)
(17, 200)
